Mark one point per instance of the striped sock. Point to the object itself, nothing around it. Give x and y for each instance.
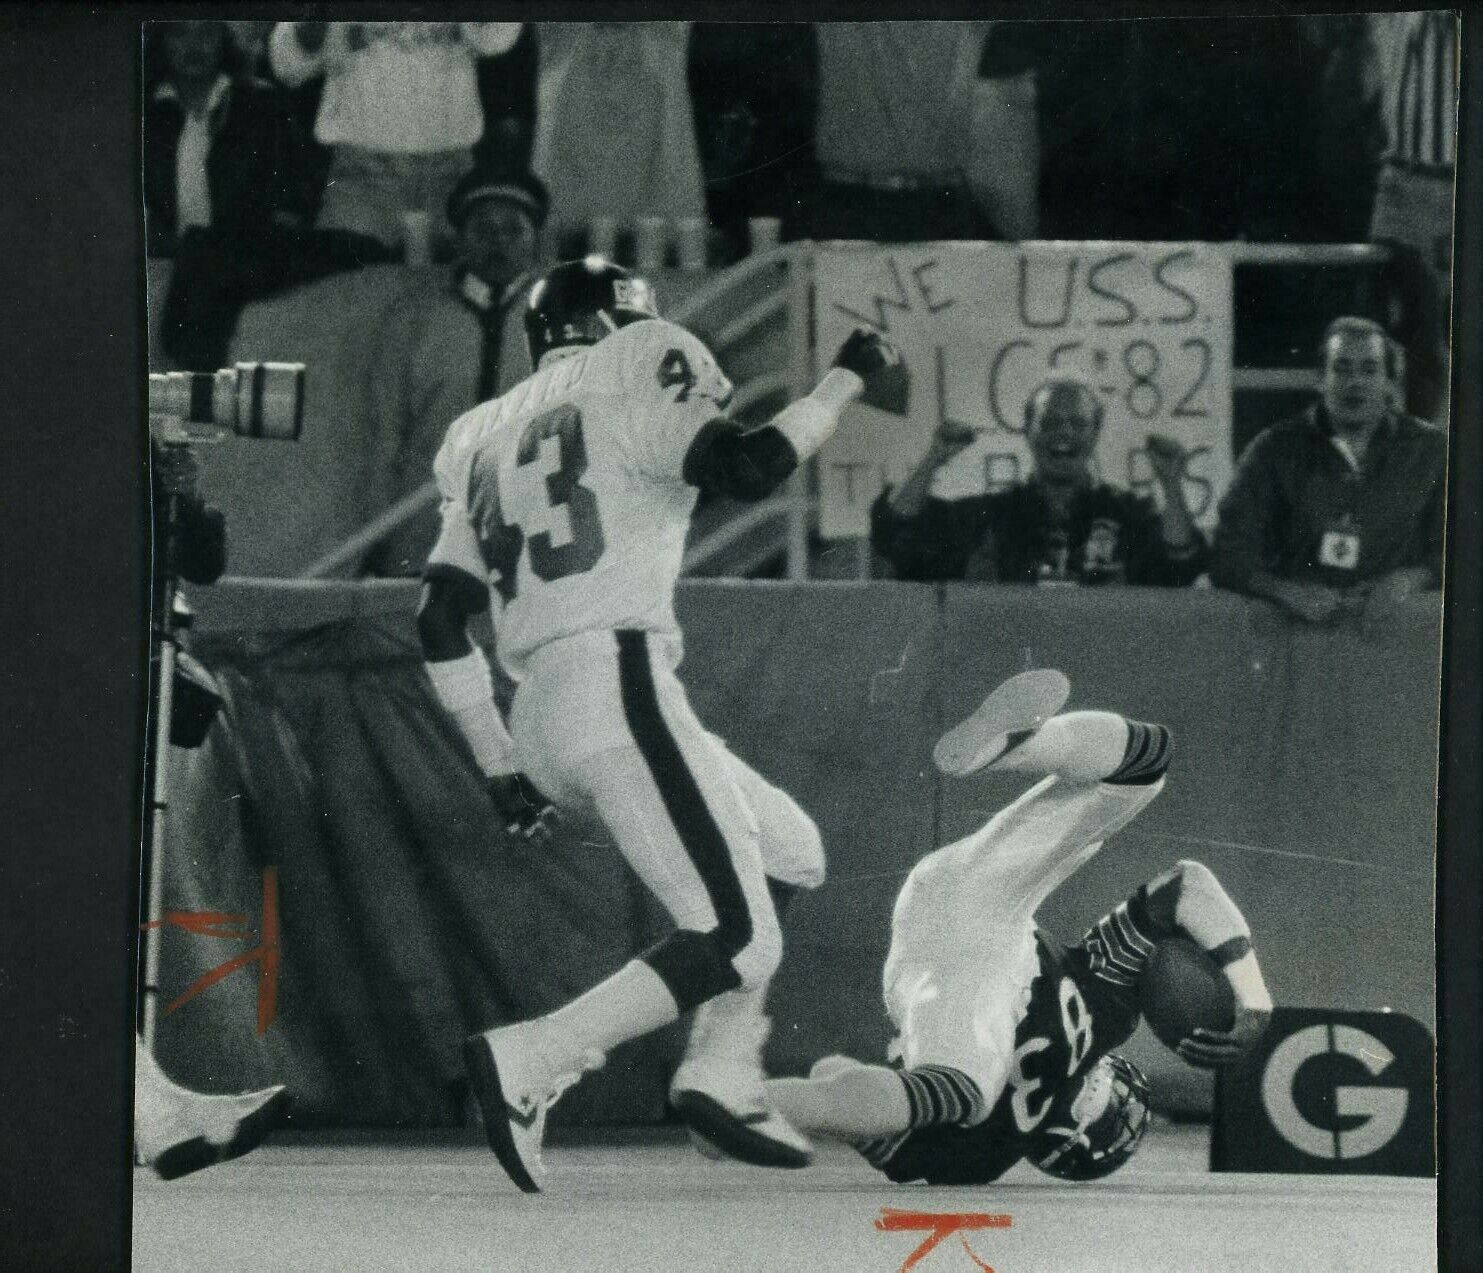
(1146, 757)
(940, 1095)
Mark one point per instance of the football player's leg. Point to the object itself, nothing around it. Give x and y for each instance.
(1010, 866)
(718, 1086)
(848, 1100)
(178, 1131)
(791, 847)
(700, 857)
(679, 817)
(951, 1071)
(729, 1030)
(1099, 771)
(1019, 728)
(694, 854)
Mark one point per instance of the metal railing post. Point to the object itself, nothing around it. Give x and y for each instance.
(801, 375)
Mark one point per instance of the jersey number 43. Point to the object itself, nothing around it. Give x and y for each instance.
(536, 500)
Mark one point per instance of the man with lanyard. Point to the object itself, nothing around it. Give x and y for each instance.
(1339, 508)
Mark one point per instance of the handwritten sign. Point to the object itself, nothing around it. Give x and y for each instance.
(980, 325)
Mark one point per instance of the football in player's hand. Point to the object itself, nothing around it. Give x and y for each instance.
(1182, 990)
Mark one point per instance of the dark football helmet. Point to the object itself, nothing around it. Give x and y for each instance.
(580, 302)
(1099, 1128)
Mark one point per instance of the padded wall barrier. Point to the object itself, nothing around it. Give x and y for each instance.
(1304, 775)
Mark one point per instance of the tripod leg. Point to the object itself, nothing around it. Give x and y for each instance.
(158, 808)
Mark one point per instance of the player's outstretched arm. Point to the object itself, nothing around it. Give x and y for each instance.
(1188, 900)
(722, 460)
(461, 679)
(844, 1099)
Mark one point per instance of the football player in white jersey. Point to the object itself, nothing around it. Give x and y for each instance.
(1004, 1034)
(566, 502)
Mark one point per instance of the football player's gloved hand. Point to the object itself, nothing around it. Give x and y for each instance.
(524, 810)
(1211, 1049)
(866, 353)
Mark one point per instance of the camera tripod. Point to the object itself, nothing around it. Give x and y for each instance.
(169, 616)
(249, 400)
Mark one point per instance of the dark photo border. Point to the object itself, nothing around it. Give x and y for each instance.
(74, 654)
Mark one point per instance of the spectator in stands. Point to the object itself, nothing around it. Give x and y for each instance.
(1348, 128)
(1059, 526)
(1242, 126)
(755, 89)
(221, 151)
(446, 348)
(400, 112)
(927, 130)
(507, 95)
(1338, 509)
(230, 185)
(250, 38)
(1417, 56)
(615, 130)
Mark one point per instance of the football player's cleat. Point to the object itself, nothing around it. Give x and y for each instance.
(1011, 714)
(514, 1088)
(718, 1088)
(580, 302)
(226, 1127)
(1103, 1127)
(724, 1105)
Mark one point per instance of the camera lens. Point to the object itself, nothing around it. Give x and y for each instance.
(269, 400)
(252, 400)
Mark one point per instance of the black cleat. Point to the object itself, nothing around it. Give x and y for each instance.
(197, 1153)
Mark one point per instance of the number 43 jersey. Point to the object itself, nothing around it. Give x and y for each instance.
(567, 493)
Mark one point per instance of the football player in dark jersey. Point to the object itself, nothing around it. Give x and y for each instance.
(1004, 1035)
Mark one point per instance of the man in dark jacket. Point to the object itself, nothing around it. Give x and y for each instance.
(221, 150)
(1059, 526)
(1341, 507)
(231, 183)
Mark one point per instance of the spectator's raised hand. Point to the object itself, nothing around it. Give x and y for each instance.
(948, 439)
(1167, 458)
